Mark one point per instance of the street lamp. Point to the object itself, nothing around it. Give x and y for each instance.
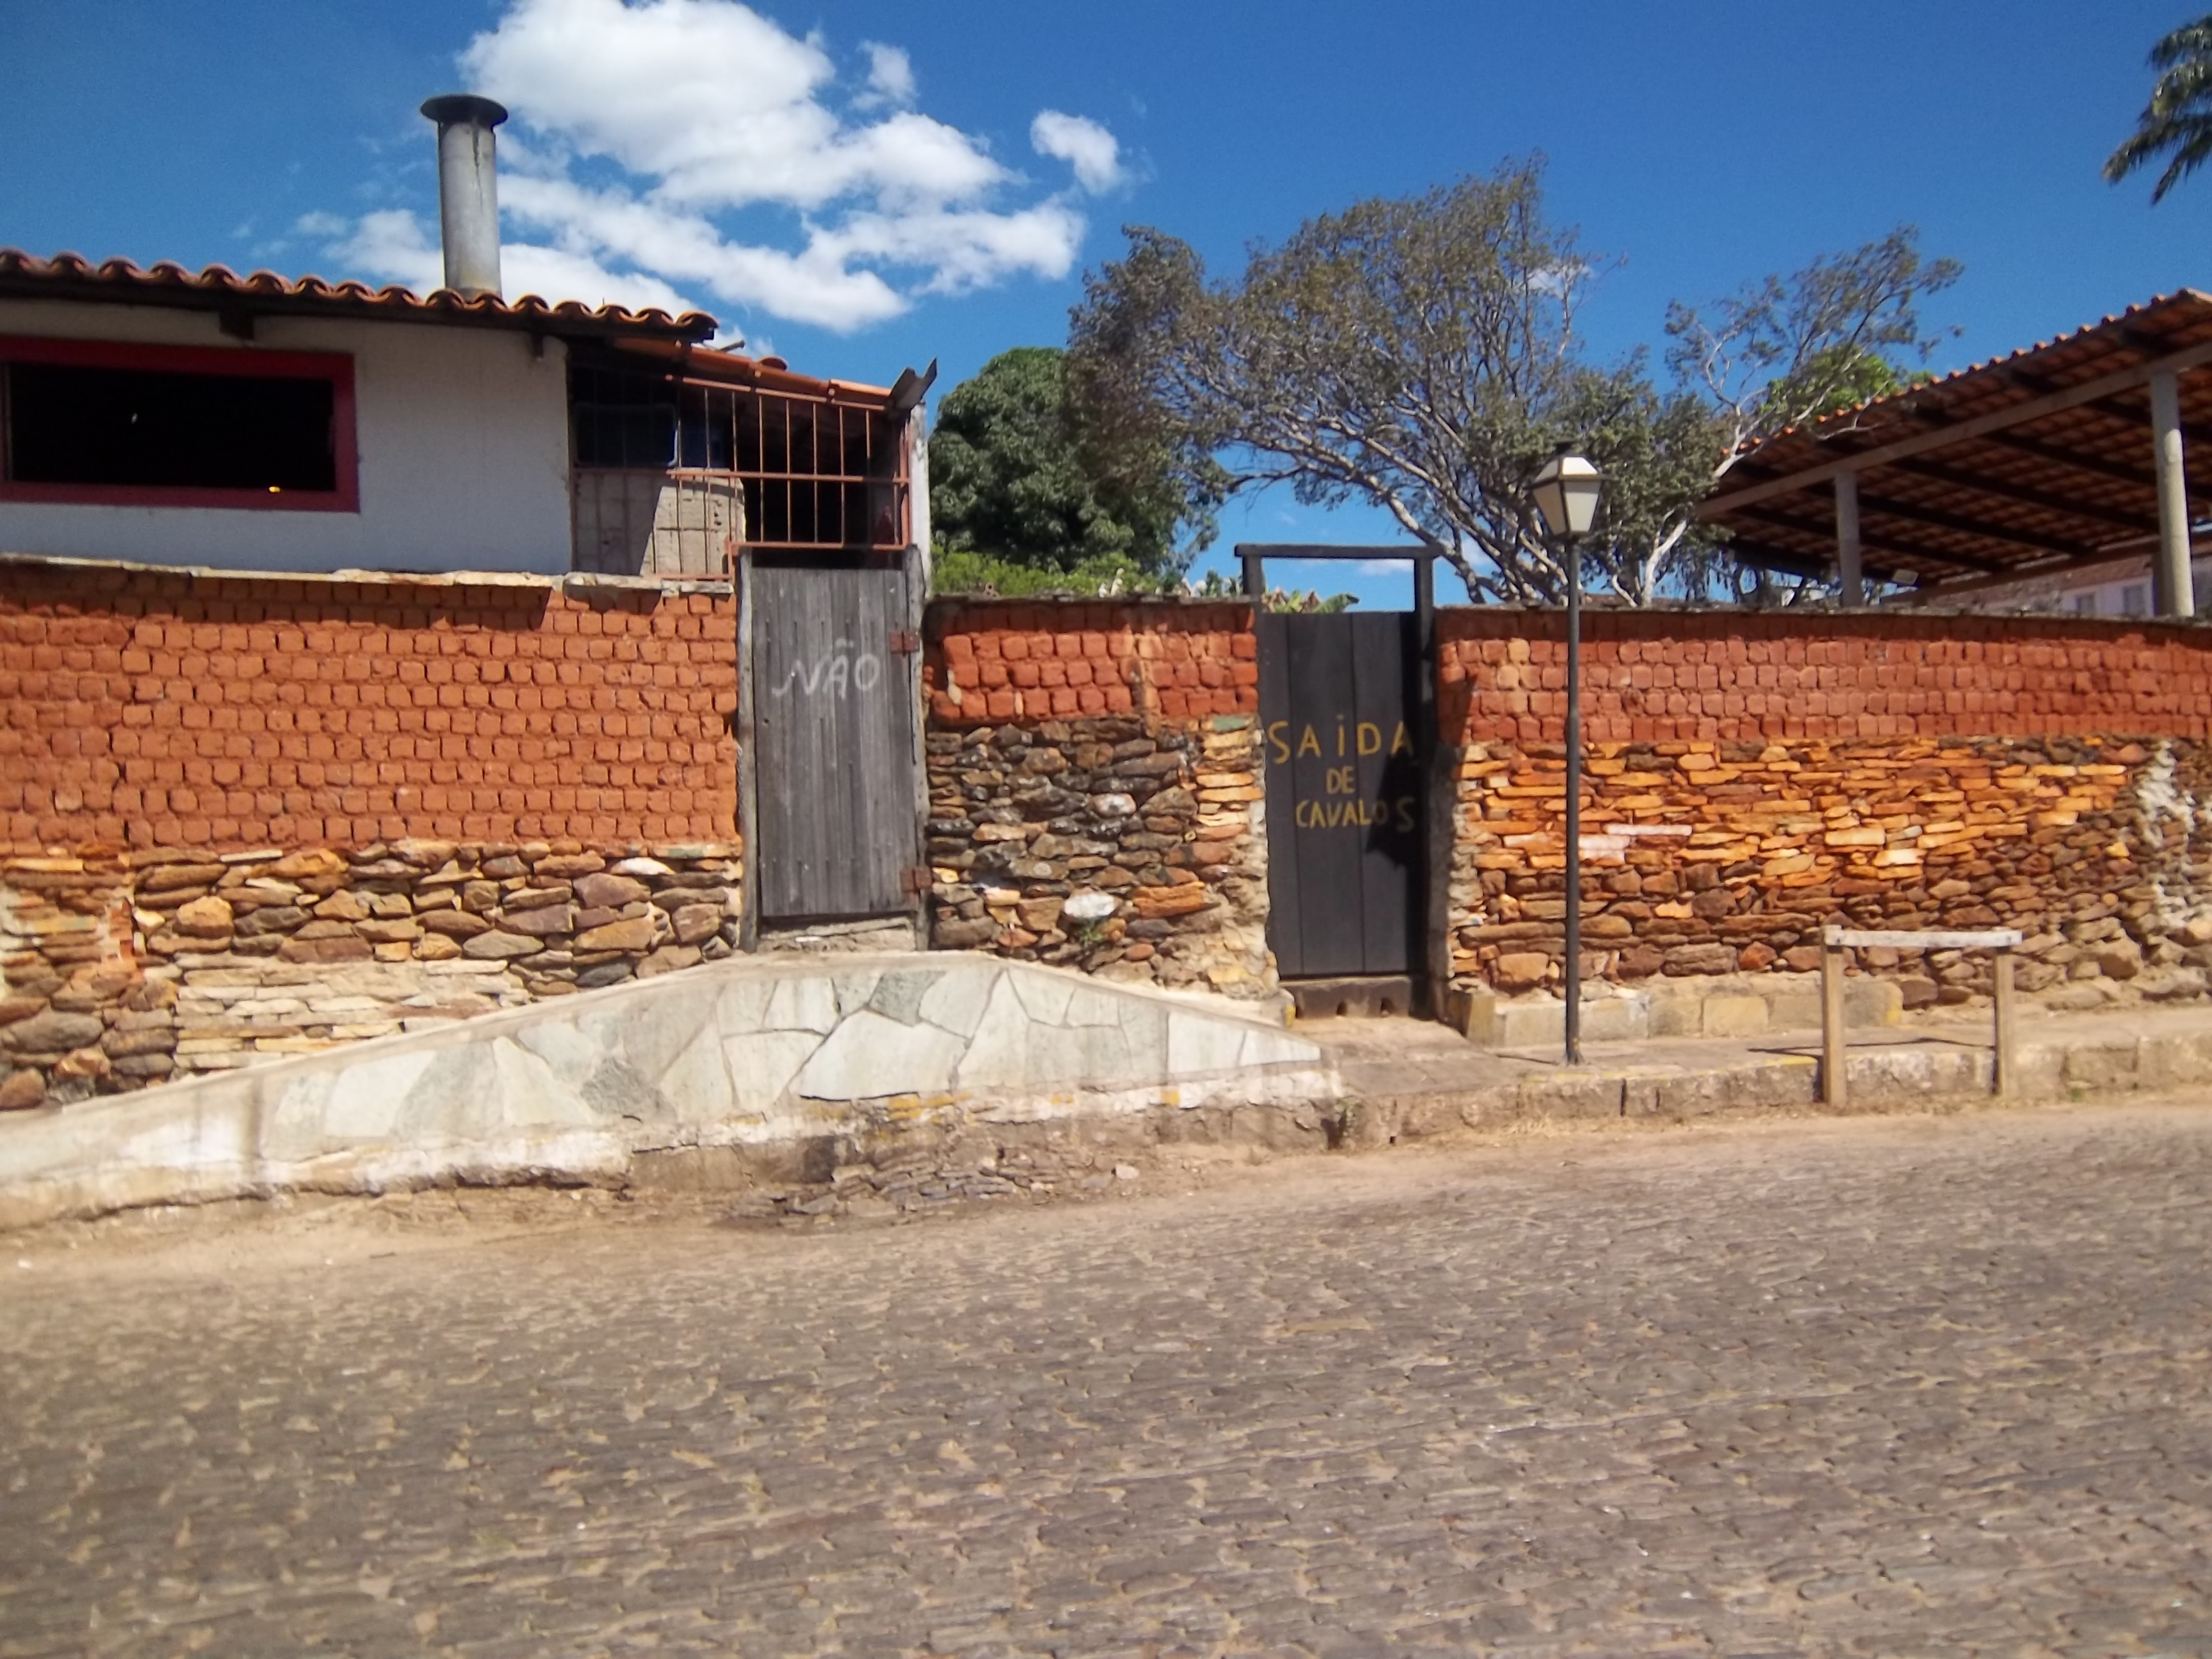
(1566, 489)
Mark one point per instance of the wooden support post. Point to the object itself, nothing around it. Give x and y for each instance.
(1849, 569)
(2172, 583)
(2006, 1082)
(2004, 1069)
(1833, 1064)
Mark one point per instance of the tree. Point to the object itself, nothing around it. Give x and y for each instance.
(1785, 352)
(1422, 356)
(1021, 497)
(2177, 123)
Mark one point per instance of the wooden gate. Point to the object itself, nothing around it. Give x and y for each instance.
(1344, 804)
(835, 817)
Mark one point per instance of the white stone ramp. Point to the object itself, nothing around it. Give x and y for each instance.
(748, 1052)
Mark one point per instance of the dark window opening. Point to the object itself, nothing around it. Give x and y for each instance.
(69, 424)
(811, 473)
(622, 418)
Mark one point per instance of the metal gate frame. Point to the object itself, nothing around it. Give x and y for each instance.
(1432, 894)
(915, 568)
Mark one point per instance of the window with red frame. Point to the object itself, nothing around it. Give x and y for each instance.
(108, 422)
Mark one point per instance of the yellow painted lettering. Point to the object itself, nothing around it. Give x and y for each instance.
(1308, 744)
(1401, 744)
(1275, 731)
(1371, 739)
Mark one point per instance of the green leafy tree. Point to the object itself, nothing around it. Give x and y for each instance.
(2176, 125)
(1023, 499)
(1422, 356)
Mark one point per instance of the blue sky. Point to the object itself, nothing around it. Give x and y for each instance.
(876, 185)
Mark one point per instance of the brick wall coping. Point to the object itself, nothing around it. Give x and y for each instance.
(943, 603)
(567, 581)
(1600, 618)
(1927, 622)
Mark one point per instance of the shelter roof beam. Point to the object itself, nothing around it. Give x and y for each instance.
(1952, 478)
(1872, 547)
(2125, 410)
(1936, 518)
(2118, 471)
(1940, 436)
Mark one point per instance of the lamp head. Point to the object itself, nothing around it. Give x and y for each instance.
(1566, 489)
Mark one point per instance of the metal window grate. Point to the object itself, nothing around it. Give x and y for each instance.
(811, 473)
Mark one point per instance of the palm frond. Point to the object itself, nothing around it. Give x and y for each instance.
(2176, 125)
(2187, 158)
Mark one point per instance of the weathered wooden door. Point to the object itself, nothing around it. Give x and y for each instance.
(834, 742)
(1344, 810)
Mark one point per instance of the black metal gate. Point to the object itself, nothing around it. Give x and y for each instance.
(1338, 703)
(834, 743)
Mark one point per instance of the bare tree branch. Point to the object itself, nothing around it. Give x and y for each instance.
(1421, 356)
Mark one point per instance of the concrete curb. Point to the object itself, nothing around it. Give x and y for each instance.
(1899, 1069)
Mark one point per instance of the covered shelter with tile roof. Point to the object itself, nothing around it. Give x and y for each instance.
(2066, 454)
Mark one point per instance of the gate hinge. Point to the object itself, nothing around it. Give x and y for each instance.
(917, 878)
(904, 642)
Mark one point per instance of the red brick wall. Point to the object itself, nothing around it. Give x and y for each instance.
(151, 709)
(993, 661)
(1681, 676)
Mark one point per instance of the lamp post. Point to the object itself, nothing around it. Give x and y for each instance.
(1566, 489)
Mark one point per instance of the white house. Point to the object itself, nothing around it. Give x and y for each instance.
(163, 416)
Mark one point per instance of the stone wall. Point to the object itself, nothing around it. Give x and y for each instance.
(122, 973)
(1752, 779)
(1094, 792)
(243, 816)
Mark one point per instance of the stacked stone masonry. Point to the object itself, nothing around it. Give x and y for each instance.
(1094, 793)
(1752, 780)
(122, 973)
(244, 816)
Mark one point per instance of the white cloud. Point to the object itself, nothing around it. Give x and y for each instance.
(1082, 143)
(391, 245)
(707, 109)
(891, 73)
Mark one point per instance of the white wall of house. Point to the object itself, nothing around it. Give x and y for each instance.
(462, 436)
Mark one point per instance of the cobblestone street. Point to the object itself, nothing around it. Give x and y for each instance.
(1906, 1386)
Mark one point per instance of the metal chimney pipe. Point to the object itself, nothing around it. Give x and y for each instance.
(468, 190)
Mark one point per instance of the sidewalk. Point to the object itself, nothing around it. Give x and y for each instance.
(1413, 1078)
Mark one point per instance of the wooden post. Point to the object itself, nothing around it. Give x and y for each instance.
(1849, 570)
(2172, 579)
(2006, 1081)
(1833, 1064)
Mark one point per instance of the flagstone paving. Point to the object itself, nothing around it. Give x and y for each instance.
(1906, 1386)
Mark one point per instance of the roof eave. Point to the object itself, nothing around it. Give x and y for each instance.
(442, 308)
